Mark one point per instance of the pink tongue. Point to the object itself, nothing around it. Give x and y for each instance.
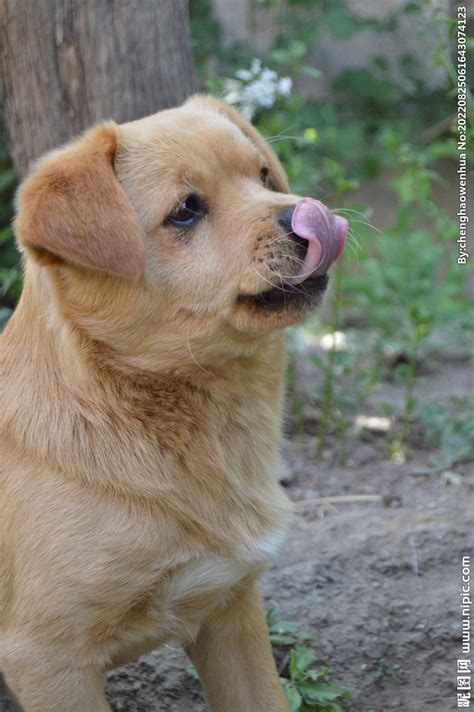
(325, 233)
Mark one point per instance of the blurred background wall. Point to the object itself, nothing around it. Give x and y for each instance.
(257, 24)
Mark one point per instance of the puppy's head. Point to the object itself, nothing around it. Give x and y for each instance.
(182, 223)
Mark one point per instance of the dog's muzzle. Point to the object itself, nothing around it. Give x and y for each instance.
(324, 232)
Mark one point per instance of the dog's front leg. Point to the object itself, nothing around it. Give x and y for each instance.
(39, 687)
(233, 657)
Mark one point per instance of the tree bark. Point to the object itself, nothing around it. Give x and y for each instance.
(66, 64)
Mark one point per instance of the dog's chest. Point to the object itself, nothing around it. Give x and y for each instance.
(195, 589)
(242, 508)
(221, 514)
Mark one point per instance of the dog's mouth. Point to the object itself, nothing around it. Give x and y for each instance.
(283, 295)
(316, 239)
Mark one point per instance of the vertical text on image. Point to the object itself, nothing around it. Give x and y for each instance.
(462, 214)
(464, 666)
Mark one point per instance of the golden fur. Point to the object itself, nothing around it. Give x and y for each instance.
(140, 402)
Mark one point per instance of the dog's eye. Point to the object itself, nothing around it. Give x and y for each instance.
(188, 212)
(264, 175)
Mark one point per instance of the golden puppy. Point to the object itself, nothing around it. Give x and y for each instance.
(140, 400)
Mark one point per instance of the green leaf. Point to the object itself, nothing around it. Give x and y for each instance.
(328, 707)
(298, 49)
(271, 615)
(315, 675)
(277, 639)
(293, 696)
(310, 71)
(285, 627)
(301, 658)
(323, 691)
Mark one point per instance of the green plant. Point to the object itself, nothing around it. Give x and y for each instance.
(370, 124)
(388, 669)
(450, 431)
(409, 279)
(341, 186)
(307, 688)
(282, 632)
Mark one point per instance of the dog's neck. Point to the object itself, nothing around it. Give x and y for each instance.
(64, 385)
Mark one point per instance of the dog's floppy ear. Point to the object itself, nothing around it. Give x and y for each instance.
(73, 209)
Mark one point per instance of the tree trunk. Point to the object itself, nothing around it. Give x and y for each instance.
(66, 64)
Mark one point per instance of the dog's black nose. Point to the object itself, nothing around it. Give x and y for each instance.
(284, 219)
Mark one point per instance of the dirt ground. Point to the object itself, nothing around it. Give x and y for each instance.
(376, 584)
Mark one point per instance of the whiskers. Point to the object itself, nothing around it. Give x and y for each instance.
(272, 285)
(281, 238)
(283, 136)
(288, 289)
(298, 261)
(354, 216)
(193, 358)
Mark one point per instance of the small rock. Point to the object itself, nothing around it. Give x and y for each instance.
(449, 477)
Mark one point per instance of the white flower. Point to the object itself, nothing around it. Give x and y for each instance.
(256, 88)
(232, 97)
(268, 75)
(256, 66)
(284, 86)
(260, 93)
(244, 75)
